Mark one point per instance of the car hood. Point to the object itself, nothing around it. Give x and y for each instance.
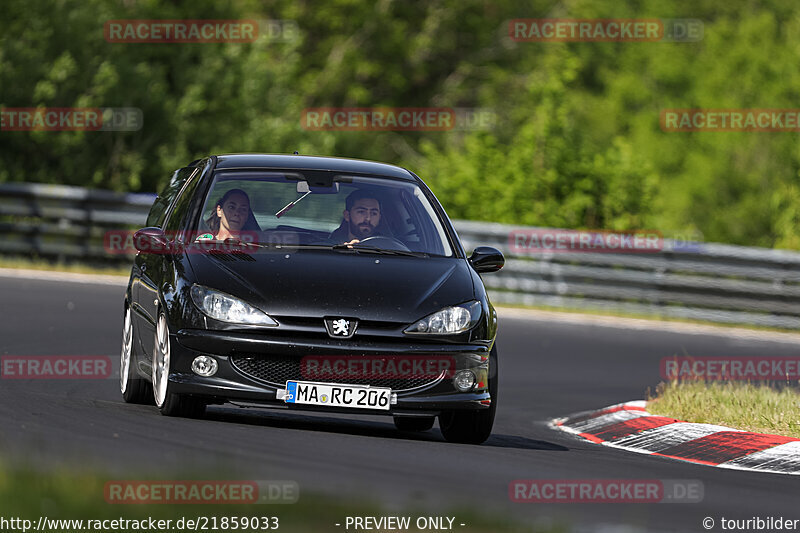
(314, 283)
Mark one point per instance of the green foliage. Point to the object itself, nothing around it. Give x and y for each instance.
(577, 142)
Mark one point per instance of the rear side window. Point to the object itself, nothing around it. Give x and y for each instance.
(161, 204)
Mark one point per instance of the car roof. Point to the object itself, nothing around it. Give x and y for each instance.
(306, 162)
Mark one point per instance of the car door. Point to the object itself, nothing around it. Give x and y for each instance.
(163, 270)
(147, 268)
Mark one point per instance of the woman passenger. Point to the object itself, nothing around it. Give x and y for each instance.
(230, 215)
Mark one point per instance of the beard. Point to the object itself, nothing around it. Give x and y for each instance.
(363, 230)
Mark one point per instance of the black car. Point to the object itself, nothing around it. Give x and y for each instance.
(312, 283)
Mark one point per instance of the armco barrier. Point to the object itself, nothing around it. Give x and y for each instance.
(705, 281)
(56, 221)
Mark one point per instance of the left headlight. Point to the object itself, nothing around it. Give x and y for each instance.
(456, 319)
(226, 308)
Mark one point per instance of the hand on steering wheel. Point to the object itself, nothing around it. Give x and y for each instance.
(376, 238)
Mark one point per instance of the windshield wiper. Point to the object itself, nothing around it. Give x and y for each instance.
(232, 243)
(336, 247)
(373, 250)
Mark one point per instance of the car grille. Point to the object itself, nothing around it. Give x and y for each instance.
(277, 370)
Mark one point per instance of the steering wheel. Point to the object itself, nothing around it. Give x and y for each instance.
(375, 240)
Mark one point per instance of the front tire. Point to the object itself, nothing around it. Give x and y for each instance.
(473, 427)
(133, 388)
(168, 403)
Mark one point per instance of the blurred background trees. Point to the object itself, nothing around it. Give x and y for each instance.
(577, 142)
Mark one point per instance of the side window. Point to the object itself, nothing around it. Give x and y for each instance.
(187, 198)
(161, 204)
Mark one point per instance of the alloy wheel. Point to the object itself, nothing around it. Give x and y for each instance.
(125, 354)
(161, 361)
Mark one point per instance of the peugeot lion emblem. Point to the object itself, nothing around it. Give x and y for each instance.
(341, 327)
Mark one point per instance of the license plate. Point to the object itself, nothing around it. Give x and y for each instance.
(335, 395)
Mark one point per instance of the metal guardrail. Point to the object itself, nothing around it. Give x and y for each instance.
(713, 282)
(704, 281)
(57, 221)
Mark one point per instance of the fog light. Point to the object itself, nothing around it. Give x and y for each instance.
(464, 380)
(204, 365)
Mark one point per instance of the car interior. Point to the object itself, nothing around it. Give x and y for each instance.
(286, 211)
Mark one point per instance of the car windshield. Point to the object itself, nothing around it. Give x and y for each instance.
(322, 209)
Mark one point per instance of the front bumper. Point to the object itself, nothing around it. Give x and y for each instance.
(231, 384)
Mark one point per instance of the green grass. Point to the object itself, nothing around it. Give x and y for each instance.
(51, 266)
(646, 316)
(69, 494)
(746, 406)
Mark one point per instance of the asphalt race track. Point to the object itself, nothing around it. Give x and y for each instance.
(548, 369)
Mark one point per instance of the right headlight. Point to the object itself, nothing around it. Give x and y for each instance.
(226, 308)
(450, 320)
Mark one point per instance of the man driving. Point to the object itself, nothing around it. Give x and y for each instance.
(361, 217)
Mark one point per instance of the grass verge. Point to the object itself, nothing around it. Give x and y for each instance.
(647, 316)
(757, 408)
(28, 494)
(50, 266)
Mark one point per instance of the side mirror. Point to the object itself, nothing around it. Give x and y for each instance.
(152, 241)
(487, 259)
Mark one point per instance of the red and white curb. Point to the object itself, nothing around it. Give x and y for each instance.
(629, 426)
